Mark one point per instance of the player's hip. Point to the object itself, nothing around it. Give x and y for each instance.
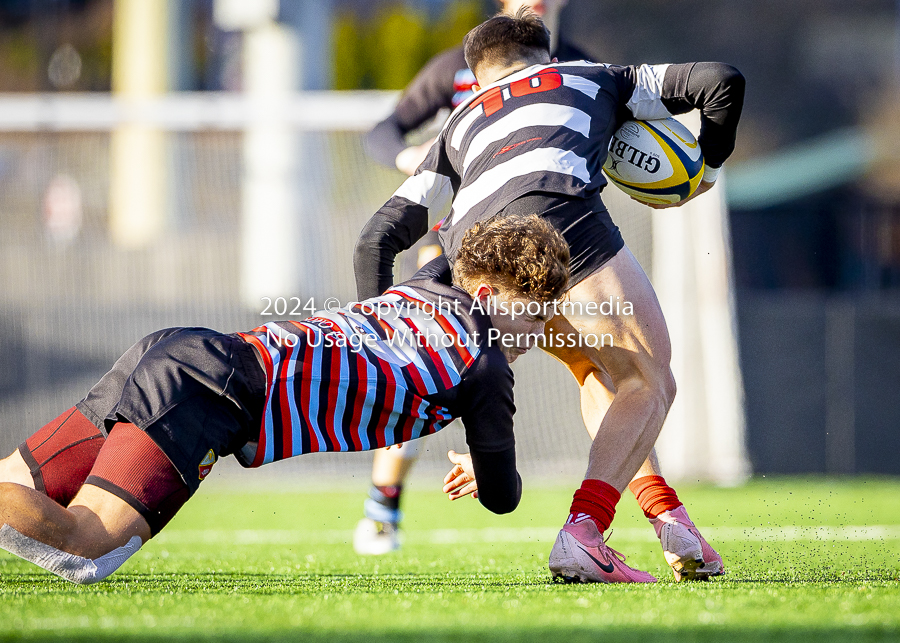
(194, 391)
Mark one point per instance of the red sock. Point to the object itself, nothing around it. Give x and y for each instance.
(597, 500)
(654, 495)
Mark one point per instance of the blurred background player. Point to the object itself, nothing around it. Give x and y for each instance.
(444, 82)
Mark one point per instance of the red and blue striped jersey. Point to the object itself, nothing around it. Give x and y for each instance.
(377, 373)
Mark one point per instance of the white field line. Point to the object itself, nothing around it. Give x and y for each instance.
(521, 535)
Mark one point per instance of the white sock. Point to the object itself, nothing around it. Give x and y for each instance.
(76, 569)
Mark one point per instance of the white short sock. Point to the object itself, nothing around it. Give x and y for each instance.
(76, 569)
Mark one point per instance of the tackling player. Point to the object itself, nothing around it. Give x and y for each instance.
(534, 139)
(442, 84)
(81, 495)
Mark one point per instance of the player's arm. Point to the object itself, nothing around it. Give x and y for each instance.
(429, 92)
(438, 269)
(716, 89)
(401, 222)
(489, 470)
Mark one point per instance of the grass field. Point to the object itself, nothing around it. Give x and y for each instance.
(807, 559)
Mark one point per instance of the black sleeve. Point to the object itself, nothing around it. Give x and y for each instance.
(487, 392)
(429, 92)
(438, 269)
(717, 90)
(402, 221)
(390, 231)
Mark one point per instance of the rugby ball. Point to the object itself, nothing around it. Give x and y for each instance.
(655, 161)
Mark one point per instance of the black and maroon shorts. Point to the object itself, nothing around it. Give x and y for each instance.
(70, 452)
(150, 429)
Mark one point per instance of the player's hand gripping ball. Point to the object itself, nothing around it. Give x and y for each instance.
(657, 162)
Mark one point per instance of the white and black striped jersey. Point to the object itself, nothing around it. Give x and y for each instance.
(443, 83)
(544, 129)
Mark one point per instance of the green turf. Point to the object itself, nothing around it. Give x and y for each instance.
(278, 566)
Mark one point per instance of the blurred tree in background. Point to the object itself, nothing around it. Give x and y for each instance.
(349, 64)
(66, 45)
(19, 60)
(397, 47)
(386, 50)
(458, 18)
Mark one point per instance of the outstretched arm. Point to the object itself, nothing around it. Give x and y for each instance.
(391, 230)
(401, 222)
(430, 91)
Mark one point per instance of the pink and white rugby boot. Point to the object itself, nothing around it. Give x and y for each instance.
(686, 551)
(581, 555)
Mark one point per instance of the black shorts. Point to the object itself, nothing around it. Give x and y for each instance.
(585, 224)
(197, 393)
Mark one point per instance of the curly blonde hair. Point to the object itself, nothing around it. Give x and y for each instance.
(522, 254)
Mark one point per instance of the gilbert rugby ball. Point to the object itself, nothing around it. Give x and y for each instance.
(655, 161)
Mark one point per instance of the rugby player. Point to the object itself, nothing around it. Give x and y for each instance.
(81, 495)
(442, 84)
(533, 139)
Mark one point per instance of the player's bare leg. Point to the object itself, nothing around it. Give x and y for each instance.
(93, 525)
(684, 548)
(14, 469)
(631, 359)
(427, 253)
(83, 543)
(630, 375)
(596, 387)
(55, 515)
(580, 553)
(391, 466)
(378, 533)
